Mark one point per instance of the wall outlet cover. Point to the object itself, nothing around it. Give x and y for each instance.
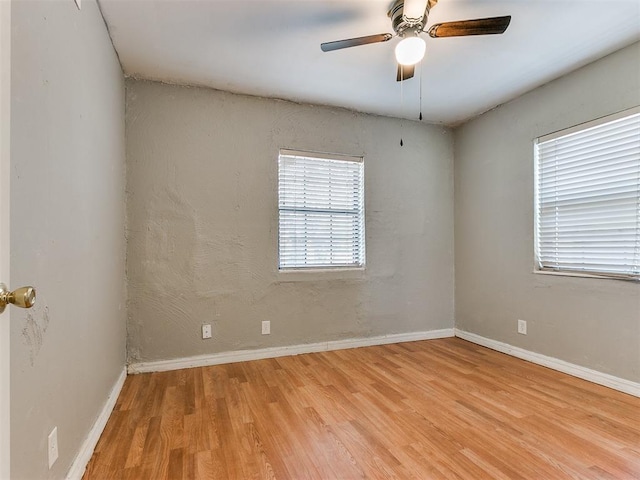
(266, 327)
(522, 327)
(52, 443)
(206, 330)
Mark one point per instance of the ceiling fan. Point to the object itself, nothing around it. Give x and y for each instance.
(409, 22)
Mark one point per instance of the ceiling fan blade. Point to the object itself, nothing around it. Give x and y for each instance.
(405, 72)
(354, 42)
(480, 26)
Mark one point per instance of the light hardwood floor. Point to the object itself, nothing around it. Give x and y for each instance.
(441, 409)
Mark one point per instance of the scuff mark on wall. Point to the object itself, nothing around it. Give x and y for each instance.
(33, 332)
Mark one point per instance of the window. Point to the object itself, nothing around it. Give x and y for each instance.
(321, 210)
(588, 198)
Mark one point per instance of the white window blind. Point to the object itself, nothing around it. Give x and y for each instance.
(321, 211)
(588, 198)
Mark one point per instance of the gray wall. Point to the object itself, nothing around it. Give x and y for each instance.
(203, 224)
(590, 322)
(67, 228)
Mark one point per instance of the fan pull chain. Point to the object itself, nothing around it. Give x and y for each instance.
(401, 104)
(421, 69)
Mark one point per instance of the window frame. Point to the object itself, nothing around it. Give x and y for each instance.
(329, 271)
(538, 269)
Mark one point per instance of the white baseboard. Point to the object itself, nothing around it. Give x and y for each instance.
(620, 384)
(273, 352)
(86, 450)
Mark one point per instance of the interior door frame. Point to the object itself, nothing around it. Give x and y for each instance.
(5, 171)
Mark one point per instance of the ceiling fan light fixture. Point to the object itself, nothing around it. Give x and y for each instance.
(410, 50)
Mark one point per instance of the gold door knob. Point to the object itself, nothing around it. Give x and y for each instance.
(23, 297)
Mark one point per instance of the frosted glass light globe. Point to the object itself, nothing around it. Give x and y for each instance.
(410, 50)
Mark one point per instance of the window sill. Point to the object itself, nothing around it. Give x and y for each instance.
(586, 275)
(319, 274)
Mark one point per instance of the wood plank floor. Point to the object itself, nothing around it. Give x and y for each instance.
(441, 409)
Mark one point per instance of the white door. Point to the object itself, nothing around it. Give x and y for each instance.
(5, 98)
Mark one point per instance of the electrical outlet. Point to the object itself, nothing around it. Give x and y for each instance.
(206, 330)
(266, 327)
(522, 327)
(53, 446)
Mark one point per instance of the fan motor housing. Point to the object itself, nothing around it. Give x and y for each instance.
(401, 24)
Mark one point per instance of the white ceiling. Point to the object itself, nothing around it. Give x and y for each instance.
(271, 48)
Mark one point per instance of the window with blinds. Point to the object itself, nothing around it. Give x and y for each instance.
(321, 210)
(588, 198)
